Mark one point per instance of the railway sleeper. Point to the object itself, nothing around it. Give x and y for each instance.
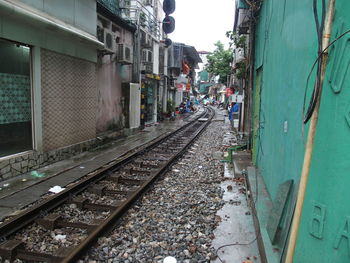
(162, 152)
(103, 190)
(169, 148)
(155, 158)
(15, 249)
(143, 164)
(140, 171)
(84, 203)
(54, 221)
(124, 180)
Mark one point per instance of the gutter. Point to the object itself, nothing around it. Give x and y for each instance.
(15, 9)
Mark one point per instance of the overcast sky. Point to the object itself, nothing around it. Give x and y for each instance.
(200, 23)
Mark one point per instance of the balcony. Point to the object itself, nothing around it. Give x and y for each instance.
(111, 5)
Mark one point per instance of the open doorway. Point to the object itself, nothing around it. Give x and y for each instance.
(16, 133)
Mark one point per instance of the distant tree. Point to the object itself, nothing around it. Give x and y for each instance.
(219, 62)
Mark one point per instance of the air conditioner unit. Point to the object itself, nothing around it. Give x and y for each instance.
(147, 56)
(146, 39)
(110, 40)
(148, 2)
(146, 67)
(239, 55)
(125, 54)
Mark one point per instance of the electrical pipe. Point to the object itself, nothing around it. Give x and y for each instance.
(310, 140)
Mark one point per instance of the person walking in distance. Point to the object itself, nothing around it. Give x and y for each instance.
(230, 114)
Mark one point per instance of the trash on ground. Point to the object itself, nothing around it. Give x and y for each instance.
(60, 237)
(56, 189)
(169, 260)
(37, 174)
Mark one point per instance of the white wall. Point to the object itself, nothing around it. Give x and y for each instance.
(155, 58)
(178, 97)
(79, 13)
(135, 99)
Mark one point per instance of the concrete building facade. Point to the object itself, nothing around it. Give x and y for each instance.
(49, 84)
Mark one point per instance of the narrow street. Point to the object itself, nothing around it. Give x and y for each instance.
(196, 212)
(191, 211)
(174, 131)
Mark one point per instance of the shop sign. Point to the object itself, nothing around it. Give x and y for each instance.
(179, 86)
(229, 92)
(153, 76)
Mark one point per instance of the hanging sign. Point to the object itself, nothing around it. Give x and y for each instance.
(179, 86)
(229, 92)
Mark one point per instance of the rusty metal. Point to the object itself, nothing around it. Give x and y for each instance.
(54, 221)
(125, 180)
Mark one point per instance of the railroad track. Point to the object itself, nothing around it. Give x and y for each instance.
(63, 227)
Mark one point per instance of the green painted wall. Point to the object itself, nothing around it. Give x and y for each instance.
(204, 88)
(325, 228)
(241, 4)
(256, 115)
(286, 49)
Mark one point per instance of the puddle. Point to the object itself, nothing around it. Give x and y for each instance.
(236, 226)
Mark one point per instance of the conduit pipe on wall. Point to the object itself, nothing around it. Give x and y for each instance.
(15, 9)
(310, 140)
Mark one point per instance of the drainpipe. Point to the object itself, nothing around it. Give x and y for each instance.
(15, 9)
(166, 79)
(310, 140)
(248, 94)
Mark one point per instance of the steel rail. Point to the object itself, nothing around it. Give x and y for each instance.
(34, 213)
(28, 216)
(112, 220)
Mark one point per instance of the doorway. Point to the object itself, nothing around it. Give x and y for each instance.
(16, 133)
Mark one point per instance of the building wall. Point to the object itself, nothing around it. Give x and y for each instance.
(62, 79)
(110, 76)
(17, 27)
(285, 51)
(69, 100)
(79, 13)
(325, 220)
(156, 58)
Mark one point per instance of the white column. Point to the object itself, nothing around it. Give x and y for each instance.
(36, 91)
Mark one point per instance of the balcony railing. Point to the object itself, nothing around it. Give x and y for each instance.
(111, 5)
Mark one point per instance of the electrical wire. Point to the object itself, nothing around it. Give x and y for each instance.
(319, 29)
(318, 59)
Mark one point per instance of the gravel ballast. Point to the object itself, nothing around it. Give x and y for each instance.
(177, 216)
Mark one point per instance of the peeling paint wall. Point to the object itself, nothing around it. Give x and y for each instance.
(286, 48)
(110, 76)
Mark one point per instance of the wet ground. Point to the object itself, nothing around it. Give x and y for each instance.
(206, 219)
